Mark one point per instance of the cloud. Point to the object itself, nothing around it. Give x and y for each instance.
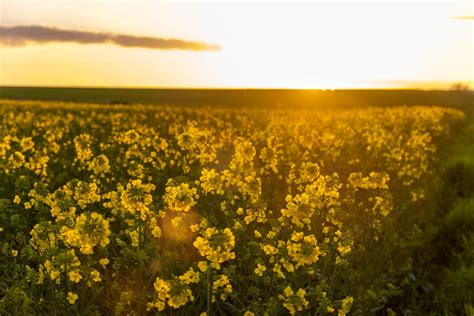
(22, 35)
(467, 17)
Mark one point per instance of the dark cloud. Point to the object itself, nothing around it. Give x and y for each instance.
(23, 35)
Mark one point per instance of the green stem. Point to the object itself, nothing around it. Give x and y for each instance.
(209, 291)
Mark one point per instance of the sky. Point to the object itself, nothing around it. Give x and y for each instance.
(312, 44)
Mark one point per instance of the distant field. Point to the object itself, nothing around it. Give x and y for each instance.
(245, 97)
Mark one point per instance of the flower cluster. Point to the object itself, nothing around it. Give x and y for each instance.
(292, 301)
(88, 231)
(175, 292)
(216, 246)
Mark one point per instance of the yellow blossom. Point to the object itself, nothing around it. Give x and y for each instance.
(95, 275)
(216, 246)
(202, 265)
(260, 269)
(104, 261)
(75, 276)
(72, 297)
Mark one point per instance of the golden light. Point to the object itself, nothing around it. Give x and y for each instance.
(273, 45)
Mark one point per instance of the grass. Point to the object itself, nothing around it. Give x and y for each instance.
(449, 271)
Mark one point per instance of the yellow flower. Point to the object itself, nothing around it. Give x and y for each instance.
(54, 274)
(74, 276)
(17, 160)
(17, 199)
(343, 249)
(202, 265)
(260, 269)
(269, 250)
(303, 250)
(162, 287)
(222, 284)
(14, 253)
(134, 237)
(175, 221)
(216, 246)
(271, 234)
(174, 292)
(180, 198)
(88, 232)
(237, 225)
(96, 276)
(27, 144)
(72, 297)
(288, 266)
(99, 164)
(249, 313)
(82, 143)
(346, 304)
(104, 261)
(137, 197)
(288, 291)
(210, 181)
(277, 270)
(189, 276)
(86, 193)
(294, 302)
(194, 228)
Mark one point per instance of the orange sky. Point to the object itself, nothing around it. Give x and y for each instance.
(273, 45)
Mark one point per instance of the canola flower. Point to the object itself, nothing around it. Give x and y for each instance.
(87, 232)
(180, 198)
(72, 297)
(216, 246)
(294, 302)
(174, 293)
(273, 205)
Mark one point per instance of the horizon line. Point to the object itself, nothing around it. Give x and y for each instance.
(222, 88)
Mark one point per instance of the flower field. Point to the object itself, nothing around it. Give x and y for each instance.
(134, 209)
